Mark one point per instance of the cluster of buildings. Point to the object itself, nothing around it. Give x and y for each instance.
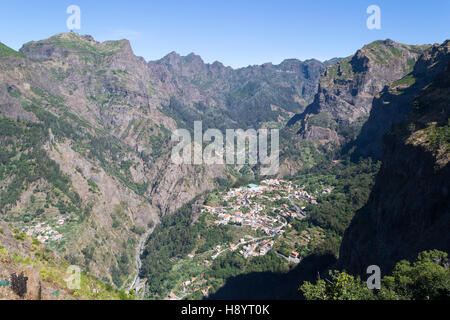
(303, 195)
(249, 199)
(254, 219)
(255, 249)
(43, 232)
(254, 206)
(190, 286)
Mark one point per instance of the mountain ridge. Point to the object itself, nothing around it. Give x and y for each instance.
(347, 88)
(407, 211)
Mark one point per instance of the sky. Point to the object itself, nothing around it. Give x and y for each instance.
(237, 33)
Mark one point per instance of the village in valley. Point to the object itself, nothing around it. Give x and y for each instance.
(44, 232)
(259, 216)
(253, 220)
(256, 206)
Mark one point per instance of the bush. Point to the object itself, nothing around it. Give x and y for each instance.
(428, 278)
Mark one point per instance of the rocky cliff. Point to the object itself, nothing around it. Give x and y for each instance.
(247, 97)
(346, 90)
(408, 210)
(393, 103)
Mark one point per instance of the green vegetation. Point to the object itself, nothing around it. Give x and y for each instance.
(173, 237)
(352, 184)
(322, 120)
(179, 246)
(406, 81)
(23, 160)
(410, 63)
(340, 286)
(165, 260)
(303, 152)
(233, 264)
(428, 278)
(14, 92)
(382, 53)
(343, 69)
(80, 44)
(212, 235)
(53, 271)
(351, 131)
(246, 107)
(60, 75)
(6, 51)
(439, 136)
(95, 144)
(93, 187)
(25, 165)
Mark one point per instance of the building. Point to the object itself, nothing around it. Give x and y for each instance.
(294, 257)
(253, 188)
(172, 296)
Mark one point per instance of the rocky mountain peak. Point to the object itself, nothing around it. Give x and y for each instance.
(64, 44)
(407, 211)
(218, 64)
(400, 95)
(347, 88)
(172, 58)
(193, 57)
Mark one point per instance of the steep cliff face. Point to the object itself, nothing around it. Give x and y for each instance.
(347, 89)
(393, 104)
(408, 210)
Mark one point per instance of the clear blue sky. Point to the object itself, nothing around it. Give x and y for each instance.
(236, 32)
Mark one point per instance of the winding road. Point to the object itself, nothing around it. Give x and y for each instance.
(299, 210)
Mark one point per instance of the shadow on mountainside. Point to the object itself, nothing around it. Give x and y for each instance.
(273, 286)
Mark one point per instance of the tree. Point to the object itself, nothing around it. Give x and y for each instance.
(426, 279)
(340, 286)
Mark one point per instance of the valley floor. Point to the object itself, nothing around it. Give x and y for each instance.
(256, 221)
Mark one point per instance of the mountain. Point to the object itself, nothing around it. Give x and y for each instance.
(407, 211)
(346, 91)
(85, 139)
(392, 104)
(226, 98)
